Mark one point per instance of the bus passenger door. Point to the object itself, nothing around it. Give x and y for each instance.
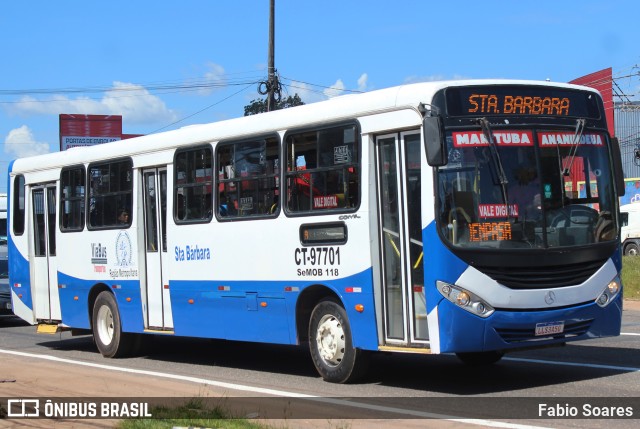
(155, 235)
(399, 205)
(44, 271)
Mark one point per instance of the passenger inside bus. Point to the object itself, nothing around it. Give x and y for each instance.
(123, 216)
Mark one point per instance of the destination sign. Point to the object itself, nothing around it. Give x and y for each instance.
(495, 100)
(518, 105)
(490, 231)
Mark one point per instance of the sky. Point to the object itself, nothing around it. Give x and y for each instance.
(167, 64)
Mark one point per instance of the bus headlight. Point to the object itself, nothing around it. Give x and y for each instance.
(610, 292)
(464, 299)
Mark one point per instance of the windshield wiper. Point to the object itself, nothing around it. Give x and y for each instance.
(495, 157)
(577, 136)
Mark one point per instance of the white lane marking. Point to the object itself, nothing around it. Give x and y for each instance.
(629, 333)
(587, 365)
(283, 393)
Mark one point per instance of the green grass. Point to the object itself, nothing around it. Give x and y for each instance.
(631, 277)
(191, 414)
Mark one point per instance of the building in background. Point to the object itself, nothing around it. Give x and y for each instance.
(623, 119)
(87, 130)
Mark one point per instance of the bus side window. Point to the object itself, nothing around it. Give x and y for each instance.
(111, 189)
(193, 190)
(18, 213)
(248, 178)
(72, 182)
(323, 169)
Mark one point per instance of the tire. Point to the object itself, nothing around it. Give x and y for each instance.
(480, 358)
(331, 346)
(107, 328)
(631, 249)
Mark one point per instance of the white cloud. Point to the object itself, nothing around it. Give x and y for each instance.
(310, 94)
(362, 82)
(418, 79)
(307, 94)
(21, 142)
(136, 104)
(433, 78)
(335, 90)
(214, 79)
(133, 102)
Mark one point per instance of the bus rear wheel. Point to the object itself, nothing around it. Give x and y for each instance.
(480, 358)
(107, 328)
(331, 346)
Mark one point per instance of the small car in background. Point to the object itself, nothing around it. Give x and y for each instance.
(5, 291)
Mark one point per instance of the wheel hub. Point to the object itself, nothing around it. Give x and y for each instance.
(105, 325)
(330, 340)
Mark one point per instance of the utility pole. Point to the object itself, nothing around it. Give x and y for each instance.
(271, 88)
(271, 105)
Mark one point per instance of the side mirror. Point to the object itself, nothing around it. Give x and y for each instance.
(434, 141)
(618, 174)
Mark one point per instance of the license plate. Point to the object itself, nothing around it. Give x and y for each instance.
(549, 328)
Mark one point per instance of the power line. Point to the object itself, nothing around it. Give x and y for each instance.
(185, 85)
(206, 108)
(333, 88)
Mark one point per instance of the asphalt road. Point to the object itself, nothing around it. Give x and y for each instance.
(592, 377)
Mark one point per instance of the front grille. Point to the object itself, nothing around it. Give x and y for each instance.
(528, 334)
(543, 277)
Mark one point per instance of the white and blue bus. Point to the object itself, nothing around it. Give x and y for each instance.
(466, 217)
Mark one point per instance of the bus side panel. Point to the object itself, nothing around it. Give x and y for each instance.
(235, 311)
(74, 301)
(258, 311)
(20, 282)
(363, 325)
(76, 309)
(127, 293)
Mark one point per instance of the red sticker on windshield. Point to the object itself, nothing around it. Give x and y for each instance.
(501, 138)
(569, 139)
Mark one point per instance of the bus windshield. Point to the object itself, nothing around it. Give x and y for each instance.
(526, 188)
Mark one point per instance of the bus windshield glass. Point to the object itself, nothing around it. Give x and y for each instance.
(526, 188)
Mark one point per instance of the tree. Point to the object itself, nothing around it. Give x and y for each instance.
(260, 105)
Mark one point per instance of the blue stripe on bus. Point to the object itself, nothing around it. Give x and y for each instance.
(237, 314)
(74, 301)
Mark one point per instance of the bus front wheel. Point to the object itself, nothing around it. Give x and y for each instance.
(331, 345)
(107, 328)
